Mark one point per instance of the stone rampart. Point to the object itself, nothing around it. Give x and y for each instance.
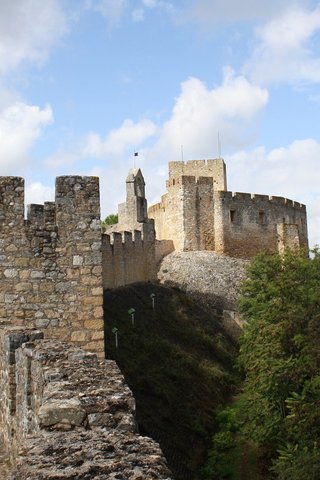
(246, 224)
(50, 263)
(65, 414)
(198, 213)
(127, 258)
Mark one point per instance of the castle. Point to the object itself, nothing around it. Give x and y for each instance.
(198, 213)
(54, 266)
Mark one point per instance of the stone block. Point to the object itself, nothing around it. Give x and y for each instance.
(79, 336)
(64, 411)
(93, 300)
(94, 324)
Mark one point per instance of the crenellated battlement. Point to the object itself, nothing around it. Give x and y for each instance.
(254, 197)
(50, 262)
(75, 196)
(213, 168)
(198, 213)
(127, 257)
(11, 201)
(189, 180)
(120, 238)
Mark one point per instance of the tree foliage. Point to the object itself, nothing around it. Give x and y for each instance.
(280, 355)
(111, 219)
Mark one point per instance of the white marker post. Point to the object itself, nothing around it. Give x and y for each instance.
(152, 296)
(115, 332)
(131, 312)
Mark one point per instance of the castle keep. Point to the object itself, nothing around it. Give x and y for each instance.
(198, 213)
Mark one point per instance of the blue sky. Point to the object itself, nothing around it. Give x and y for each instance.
(85, 83)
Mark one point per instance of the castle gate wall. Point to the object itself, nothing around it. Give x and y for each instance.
(247, 224)
(50, 264)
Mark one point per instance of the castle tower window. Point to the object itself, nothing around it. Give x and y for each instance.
(232, 215)
(262, 218)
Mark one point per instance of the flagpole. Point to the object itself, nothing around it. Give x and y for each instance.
(135, 154)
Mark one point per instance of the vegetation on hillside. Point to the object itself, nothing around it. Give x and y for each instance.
(179, 364)
(276, 418)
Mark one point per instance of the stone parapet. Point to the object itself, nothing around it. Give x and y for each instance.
(51, 263)
(128, 257)
(68, 413)
(247, 224)
(198, 213)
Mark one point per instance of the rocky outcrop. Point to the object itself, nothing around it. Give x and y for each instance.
(68, 415)
(212, 279)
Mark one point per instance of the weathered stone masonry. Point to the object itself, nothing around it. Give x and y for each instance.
(61, 408)
(198, 213)
(65, 414)
(51, 263)
(127, 258)
(130, 252)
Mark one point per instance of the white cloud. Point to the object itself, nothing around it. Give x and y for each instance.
(20, 127)
(200, 113)
(284, 50)
(28, 30)
(118, 140)
(117, 143)
(292, 172)
(36, 192)
(232, 108)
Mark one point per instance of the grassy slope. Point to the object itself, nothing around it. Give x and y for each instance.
(178, 363)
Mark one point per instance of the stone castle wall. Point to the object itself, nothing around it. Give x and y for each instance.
(247, 224)
(185, 213)
(130, 251)
(65, 414)
(51, 264)
(215, 169)
(127, 257)
(197, 213)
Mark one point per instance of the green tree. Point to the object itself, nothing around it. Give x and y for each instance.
(280, 355)
(111, 219)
